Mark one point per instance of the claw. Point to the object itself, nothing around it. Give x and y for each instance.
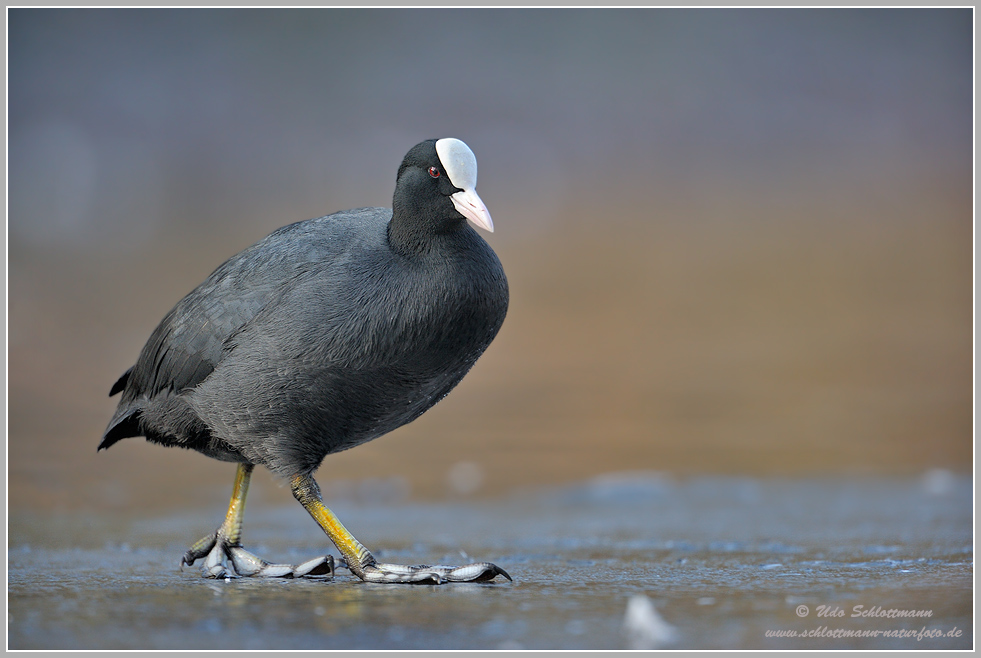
(214, 563)
(477, 573)
(319, 566)
(247, 564)
(424, 573)
(218, 553)
(201, 549)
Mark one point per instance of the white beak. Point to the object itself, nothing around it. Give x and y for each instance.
(470, 206)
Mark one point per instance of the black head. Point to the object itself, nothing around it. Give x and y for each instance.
(435, 190)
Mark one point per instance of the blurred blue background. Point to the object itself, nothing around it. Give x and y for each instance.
(123, 122)
(737, 240)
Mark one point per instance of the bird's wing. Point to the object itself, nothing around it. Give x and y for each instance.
(190, 341)
(187, 345)
(197, 333)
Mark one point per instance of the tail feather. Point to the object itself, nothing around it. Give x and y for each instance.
(121, 426)
(125, 422)
(121, 382)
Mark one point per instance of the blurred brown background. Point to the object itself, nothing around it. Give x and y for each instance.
(737, 241)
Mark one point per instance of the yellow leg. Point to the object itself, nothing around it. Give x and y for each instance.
(358, 557)
(231, 528)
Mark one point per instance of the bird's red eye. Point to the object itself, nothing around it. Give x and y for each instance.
(434, 172)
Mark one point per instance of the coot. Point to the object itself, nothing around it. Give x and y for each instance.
(326, 334)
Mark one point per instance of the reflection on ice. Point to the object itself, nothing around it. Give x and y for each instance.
(644, 627)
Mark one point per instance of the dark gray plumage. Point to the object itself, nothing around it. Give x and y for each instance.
(328, 332)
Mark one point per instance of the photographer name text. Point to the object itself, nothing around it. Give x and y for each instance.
(876, 611)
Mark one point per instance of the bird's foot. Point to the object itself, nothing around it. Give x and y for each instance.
(399, 573)
(219, 555)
